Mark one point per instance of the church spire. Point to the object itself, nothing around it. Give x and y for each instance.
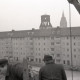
(63, 22)
(63, 14)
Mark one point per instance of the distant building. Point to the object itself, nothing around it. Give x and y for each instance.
(34, 44)
(63, 22)
(45, 22)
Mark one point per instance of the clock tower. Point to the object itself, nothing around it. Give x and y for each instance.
(45, 22)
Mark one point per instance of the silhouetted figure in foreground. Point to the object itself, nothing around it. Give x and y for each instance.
(15, 72)
(3, 69)
(10, 72)
(51, 71)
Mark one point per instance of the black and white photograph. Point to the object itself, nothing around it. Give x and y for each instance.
(39, 39)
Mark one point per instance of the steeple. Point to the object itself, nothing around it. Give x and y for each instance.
(63, 22)
(63, 14)
(45, 22)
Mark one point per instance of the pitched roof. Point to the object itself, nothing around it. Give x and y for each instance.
(75, 31)
(42, 33)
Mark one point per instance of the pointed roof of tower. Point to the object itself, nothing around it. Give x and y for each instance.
(63, 22)
(63, 14)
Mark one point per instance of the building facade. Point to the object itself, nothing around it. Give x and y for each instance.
(34, 44)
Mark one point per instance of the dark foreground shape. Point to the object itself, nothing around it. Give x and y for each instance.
(15, 72)
(76, 4)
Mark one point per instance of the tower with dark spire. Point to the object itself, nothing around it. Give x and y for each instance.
(45, 22)
(63, 22)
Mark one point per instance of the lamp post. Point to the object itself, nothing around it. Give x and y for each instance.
(10, 56)
(71, 40)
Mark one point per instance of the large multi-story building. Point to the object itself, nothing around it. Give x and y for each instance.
(34, 44)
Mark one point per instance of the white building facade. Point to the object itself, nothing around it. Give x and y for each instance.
(34, 44)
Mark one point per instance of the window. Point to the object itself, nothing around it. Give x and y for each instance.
(17, 59)
(31, 48)
(6, 46)
(39, 60)
(31, 43)
(74, 50)
(39, 54)
(44, 48)
(21, 48)
(58, 55)
(67, 55)
(67, 37)
(36, 59)
(74, 37)
(39, 43)
(6, 42)
(30, 38)
(39, 49)
(57, 42)
(74, 43)
(21, 53)
(6, 51)
(57, 36)
(67, 49)
(28, 58)
(63, 61)
(31, 53)
(67, 43)
(58, 60)
(31, 59)
(74, 56)
(52, 38)
(52, 43)
(68, 62)
(52, 49)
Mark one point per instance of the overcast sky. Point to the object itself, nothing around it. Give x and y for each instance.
(26, 14)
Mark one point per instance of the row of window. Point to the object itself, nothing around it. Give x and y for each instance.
(39, 60)
(41, 49)
(52, 49)
(38, 38)
(64, 49)
(55, 37)
(38, 49)
(31, 43)
(69, 55)
(69, 43)
(66, 62)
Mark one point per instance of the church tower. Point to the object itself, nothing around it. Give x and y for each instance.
(63, 22)
(45, 22)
